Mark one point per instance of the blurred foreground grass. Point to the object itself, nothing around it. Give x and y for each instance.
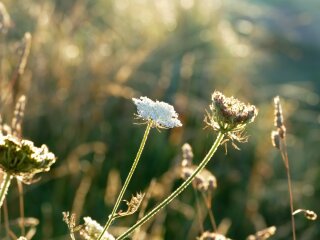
(89, 58)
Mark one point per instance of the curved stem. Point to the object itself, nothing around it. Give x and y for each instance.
(4, 187)
(178, 190)
(126, 183)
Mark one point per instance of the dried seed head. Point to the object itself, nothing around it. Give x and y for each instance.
(212, 236)
(20, 158)
(229, 113)
(204, 181)
(187, 155)
(133, 205)
(230, 116)
(275, 139)
(161, 114)
(70, 220)
(263, 234)
(278, 117)
(310, 215)
(92, 230)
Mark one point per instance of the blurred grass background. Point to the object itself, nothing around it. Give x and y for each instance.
(89, 58)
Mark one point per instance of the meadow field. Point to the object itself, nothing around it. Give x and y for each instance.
(80, 68)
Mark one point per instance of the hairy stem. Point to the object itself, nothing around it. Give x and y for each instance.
(4, 187)
(178, 190)
(126, 183)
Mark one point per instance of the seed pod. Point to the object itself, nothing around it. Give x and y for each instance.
(275, 139)
(278, 117)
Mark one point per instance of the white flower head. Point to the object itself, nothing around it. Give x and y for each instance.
(160, 113)
(92, 230)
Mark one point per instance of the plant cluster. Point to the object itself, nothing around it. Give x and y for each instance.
(227, 118)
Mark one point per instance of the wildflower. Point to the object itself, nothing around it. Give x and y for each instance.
(20, 158)
(230, 116)
(156, 114)
(161, 114)
(229, 113)
(92, 230)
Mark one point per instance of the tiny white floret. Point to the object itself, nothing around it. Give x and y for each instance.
(162, 114)
(92, 230)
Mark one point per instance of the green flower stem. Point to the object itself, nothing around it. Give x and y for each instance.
(178, 190)
(4, 187)
(126, 183)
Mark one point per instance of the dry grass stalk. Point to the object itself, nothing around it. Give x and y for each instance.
(112, 187)
(278, 139)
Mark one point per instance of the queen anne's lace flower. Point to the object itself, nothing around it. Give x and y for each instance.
(229, 114)
(92, 230)
(20, 158)
(160, 113)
